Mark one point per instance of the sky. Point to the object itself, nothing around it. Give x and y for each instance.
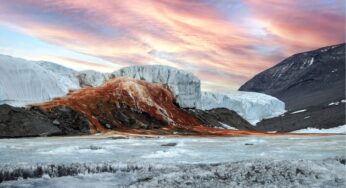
(223, 42)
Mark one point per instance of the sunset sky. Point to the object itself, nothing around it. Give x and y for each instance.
(223, 42)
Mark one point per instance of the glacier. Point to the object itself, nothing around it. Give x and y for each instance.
(64, 75)
(252, 106)
(185, 86)
(25, 82)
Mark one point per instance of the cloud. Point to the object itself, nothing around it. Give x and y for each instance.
(224, 49)
(300, 25)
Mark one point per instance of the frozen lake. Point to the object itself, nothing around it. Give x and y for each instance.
(93, 154)
(187, 150)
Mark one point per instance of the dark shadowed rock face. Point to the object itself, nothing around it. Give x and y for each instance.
(320, 117)
(214, 118)
(306, 79)
(19, 122)
(67, 120)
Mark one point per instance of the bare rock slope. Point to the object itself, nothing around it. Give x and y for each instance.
(306, 79)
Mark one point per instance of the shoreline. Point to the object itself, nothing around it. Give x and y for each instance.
(126, 135)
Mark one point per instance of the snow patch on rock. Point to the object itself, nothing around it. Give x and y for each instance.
(252, 106)
(225, 126)
(333, 103)
(298, 111)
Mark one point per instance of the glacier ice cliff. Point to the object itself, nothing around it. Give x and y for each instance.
(23, 82)
(90, 78)
(65, 76)
(185, 86)
(251, 106)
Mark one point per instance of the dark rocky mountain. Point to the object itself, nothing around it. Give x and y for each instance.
(306, 79)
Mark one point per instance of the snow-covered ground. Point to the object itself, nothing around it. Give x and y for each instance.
(252, 106)
(337, 130)
(207, 162)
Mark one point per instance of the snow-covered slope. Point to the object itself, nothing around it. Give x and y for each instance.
(24, 82)
(185, 86)
(251, 106)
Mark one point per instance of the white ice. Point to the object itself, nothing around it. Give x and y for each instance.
(337, 130)
(24, 82)
(251, 106)
(131, 160)
(187, 150)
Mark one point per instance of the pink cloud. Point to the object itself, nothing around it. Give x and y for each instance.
(192, 35)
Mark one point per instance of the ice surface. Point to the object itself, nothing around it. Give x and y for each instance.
(64, 75)
(184, 85)
(251, 106)
(187, 150)
(250, 173)
(206, 162)
(338, 130)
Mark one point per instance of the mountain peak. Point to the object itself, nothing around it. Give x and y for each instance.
(304, 79)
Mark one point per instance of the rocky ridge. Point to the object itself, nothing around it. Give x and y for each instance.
(306, 79)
